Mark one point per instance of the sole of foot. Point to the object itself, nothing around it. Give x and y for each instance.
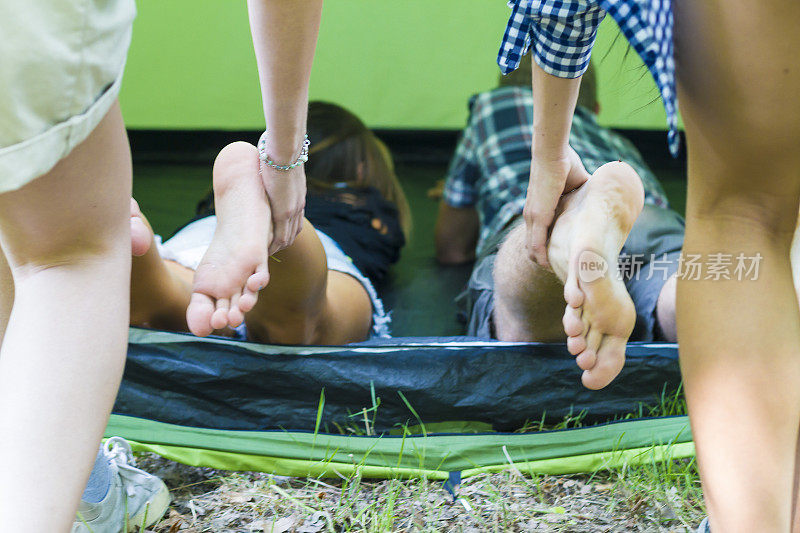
(234, 268)
(599, 315)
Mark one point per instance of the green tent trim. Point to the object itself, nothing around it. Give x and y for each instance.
(434, 456)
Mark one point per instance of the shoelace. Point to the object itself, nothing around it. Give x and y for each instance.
(119, 453)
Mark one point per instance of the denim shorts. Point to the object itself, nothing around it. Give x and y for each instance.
(188, 246)
(61, 66)
(653, 246)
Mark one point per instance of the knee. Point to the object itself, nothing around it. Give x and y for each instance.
(36, 254)
(731, 213)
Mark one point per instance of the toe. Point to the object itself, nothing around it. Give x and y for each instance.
(586, 360)
(576, 345)
(259, 280)
(593, 339)
(573, 325)
(235, 314)
(198, 314)
(248, 300)
(220, 317)
(610, 361)
(572, 292)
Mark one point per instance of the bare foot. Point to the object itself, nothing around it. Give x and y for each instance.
(159, 294)
(234, 268)
(141, 234)
(600, 315)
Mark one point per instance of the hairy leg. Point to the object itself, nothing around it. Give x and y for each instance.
(740, 340)
(66, 238)
(599, 316)
(529, 299)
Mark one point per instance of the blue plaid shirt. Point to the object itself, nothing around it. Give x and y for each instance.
(492, 163)
(561, 34)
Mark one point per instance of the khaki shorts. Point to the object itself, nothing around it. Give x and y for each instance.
(61, 64)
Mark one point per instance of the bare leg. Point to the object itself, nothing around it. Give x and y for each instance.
(529, 299)
(740, 340)
(66, 237)
(665, 310)
(6, 294)
(304, 303)
(796, 259)
(160, 290)
(599, 315)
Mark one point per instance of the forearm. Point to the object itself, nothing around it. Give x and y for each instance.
(284, 37)
(554, 102)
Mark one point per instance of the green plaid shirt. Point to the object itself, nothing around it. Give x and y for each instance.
(492, 163)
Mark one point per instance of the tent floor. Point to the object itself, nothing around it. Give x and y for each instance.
(420, 292)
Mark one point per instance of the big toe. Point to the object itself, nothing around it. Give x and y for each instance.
(198, 314)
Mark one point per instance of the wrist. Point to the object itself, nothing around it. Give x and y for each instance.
(298, 155)
(282, 148)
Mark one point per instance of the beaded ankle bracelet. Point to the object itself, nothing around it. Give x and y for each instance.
(262, 154)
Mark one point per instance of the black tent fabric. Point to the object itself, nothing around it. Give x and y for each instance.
(230, 385)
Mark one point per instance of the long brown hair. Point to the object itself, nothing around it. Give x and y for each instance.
(344, 150)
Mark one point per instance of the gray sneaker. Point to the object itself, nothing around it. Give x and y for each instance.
(134, 499)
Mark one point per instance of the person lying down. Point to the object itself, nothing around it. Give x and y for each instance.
(321, 289)
(617, 220)
(621, 208)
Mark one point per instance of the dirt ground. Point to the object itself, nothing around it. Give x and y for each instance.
(206, 500)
